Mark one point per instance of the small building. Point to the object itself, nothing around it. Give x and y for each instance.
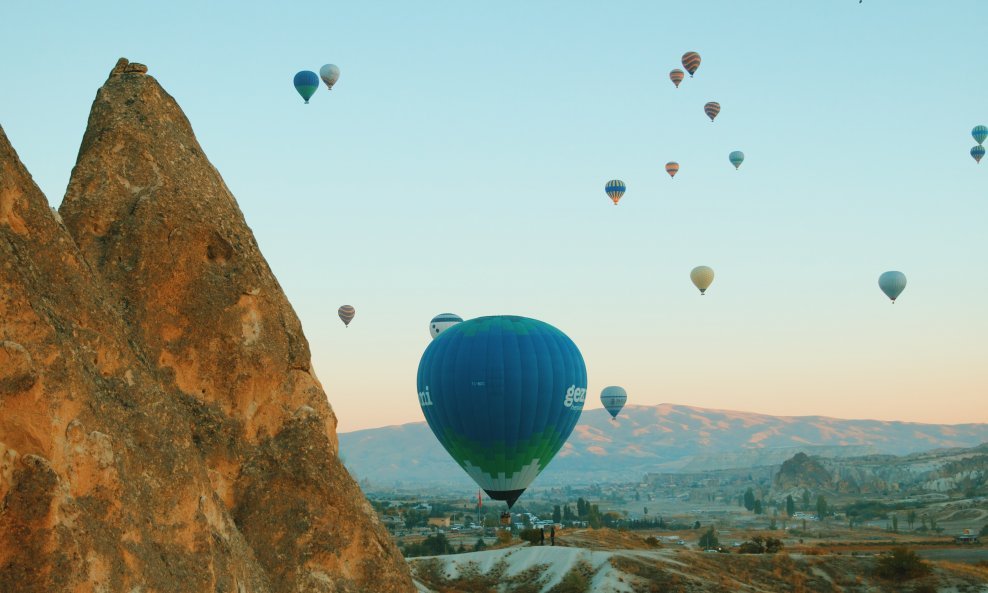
(438, 522)
(967, 537)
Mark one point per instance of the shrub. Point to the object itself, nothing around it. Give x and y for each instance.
(902, 565)
(532, 536)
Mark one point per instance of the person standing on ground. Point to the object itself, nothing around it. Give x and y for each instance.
(552, 535)
(542, 536)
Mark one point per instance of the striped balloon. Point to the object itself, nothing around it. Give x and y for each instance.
(676, 76)
(711, 109)
(977, 152)
(615, 188)
(502, 394)
(613, 398)
(346, 313)
(672, 167)
(691, 61)
(736, 157)
(980, 133)
(892, 284)
(702, 278)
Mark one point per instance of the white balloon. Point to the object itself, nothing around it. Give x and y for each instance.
(329, 74)
(702, 278)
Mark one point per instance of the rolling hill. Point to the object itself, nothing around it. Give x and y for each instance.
(662, 438)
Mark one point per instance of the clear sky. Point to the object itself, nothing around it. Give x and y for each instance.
(459, 166)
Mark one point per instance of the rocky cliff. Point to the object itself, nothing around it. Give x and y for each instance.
(161, 428)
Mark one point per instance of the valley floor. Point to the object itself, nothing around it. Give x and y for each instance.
(612, 562)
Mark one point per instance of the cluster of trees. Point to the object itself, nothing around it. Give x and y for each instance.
(437, 544)
(761, 545)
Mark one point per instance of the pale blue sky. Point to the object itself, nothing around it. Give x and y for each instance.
(459, 166)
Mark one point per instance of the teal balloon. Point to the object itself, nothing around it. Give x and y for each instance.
(977, 152)
(736, 157)
(502, 394)
(980, 133)
(613, 398)
(892, 284)
(306, 83)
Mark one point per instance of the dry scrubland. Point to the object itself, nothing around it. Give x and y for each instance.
(607, 561)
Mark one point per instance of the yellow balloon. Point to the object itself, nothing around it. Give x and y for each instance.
(702, 278)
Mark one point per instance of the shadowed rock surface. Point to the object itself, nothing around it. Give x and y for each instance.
(161, 428)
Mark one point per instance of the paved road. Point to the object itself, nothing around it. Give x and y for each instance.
(971, 554)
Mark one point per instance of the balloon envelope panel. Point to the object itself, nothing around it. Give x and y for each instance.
(502, 394)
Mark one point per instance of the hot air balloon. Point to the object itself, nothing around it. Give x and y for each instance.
(615, 188)
(676, 76)
(691, 61)
(672, 167)
(329, 74)
(736, 157)
(306, 83)
(442, 322)
(502, 394)
(980, 133)
(702, 278)
(613, 398)
(892, 284)
(711, 109)
(977, 152)
(346, 313)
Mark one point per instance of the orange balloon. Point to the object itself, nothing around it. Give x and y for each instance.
(672, 167)
(677, 76)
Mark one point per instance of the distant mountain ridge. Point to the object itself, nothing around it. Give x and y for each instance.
(661, 438)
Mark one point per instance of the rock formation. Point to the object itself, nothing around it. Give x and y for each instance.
(803, 471)
(161, 428)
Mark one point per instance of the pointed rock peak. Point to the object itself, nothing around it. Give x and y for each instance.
(20, 199)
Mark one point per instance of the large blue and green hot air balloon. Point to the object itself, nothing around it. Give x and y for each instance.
(980, 134)
(306, 83)
(613, 398)
(502, 394)
(892, 284)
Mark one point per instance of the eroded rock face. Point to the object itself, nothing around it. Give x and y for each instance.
(160, 425)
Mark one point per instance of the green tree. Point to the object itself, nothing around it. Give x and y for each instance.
(709, 539)
(895, 523)
(911, 518)
(581, 508)
(821, 507)
(758, 507)
(772, 525)
(593, 517)
(568, 514)
(902, 565)
(806, 500)
(480, 545)
(790, 505)
(557, 514)
(749, 499)
(645, 511)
